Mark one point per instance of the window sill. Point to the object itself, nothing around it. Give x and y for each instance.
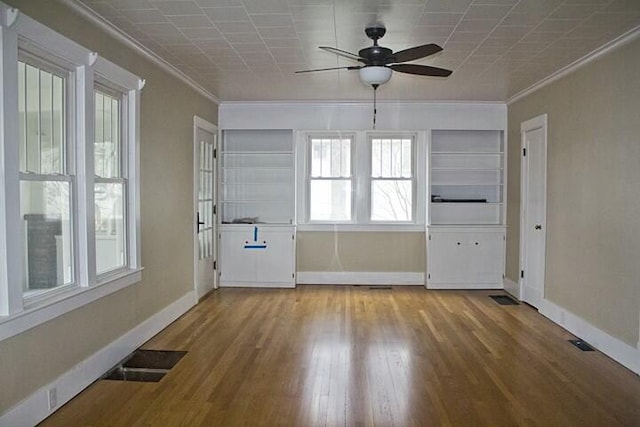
(392, 227)
(62, 303)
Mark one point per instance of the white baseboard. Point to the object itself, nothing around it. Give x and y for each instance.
(464, 286)
(35, 408)
(272, 285)
(359, 278)
(511, 287)
(619, 351)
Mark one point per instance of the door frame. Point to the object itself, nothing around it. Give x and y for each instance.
(200, 123)
(538, 122)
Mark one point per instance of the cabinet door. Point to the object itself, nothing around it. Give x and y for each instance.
(447, 258)
(486, 258)
(237, 263)
(275, 262)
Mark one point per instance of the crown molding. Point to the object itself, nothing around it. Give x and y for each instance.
(577, 64)
(130, 42)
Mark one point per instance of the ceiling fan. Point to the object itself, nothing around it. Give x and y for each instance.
(378, 62)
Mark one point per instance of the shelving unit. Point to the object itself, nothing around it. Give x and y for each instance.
(257, 191)
(257, 176)
(466, 231)
(465, 166)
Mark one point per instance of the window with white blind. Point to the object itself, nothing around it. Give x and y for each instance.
(392, 179)
(330, 179)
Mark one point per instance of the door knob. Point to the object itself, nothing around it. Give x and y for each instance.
(538, 227)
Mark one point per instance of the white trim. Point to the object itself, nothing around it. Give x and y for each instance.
(200, 123)
(47, 42)
(139, 48)
(35, 408)
(359, 278)
(337, 227)
(511, 287)
(10, 222)
(577, 64)
(85, 178)
(464, 286)
(60, 304)
(280, 285)
(538, 122)
(115, 74)
(618, 350)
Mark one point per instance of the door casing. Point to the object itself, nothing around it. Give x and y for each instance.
(539, 122)
(200, 123)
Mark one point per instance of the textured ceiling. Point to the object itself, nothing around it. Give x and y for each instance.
(247, 50)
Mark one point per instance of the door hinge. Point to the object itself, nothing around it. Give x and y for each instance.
(215, 153)
(522, 274)
(215, 265)
(215, 209)
(293, 237)
(429, 236)
(428, 276)
(524, 151)
(293, 275)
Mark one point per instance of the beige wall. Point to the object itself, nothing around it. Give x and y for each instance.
(361, 251)
(593, 190)
(36, 357)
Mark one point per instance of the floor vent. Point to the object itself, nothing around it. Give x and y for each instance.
(145, 366)
(504, 300)
(582, 345)
(380, 288)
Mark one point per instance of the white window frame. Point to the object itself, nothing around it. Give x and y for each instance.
(19, 32)
(110, 89)
(309, 178)
(413, 179)
(57, 67)
(361, 182)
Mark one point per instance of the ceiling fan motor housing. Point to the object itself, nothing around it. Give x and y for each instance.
(376, 55)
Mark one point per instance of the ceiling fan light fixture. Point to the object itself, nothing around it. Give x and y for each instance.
(375, 75)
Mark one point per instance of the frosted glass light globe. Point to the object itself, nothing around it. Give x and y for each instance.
(375, 75)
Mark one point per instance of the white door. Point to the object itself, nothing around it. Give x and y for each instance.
(205, 135)
(533, 210)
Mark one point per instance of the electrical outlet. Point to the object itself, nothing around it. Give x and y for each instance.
(53, 397)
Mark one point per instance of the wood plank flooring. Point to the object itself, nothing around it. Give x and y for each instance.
(354, 356)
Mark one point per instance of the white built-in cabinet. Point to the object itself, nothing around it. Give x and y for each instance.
(257, 199)
(466, 225)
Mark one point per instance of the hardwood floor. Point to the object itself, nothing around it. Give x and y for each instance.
(353, 356)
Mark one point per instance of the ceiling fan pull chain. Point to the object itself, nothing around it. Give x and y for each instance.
(375, 109)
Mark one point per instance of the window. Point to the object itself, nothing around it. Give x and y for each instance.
(330, 180)
(70, 185)
(46, 185)
(110, 183)
(361, 180)
(392, 183)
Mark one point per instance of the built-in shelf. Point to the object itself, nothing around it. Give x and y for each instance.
(467, 164)
(257, 176)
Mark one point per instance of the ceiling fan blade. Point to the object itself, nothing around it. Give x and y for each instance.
(422, 70)
(417, 52)
(342, 53)
(354, 67)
